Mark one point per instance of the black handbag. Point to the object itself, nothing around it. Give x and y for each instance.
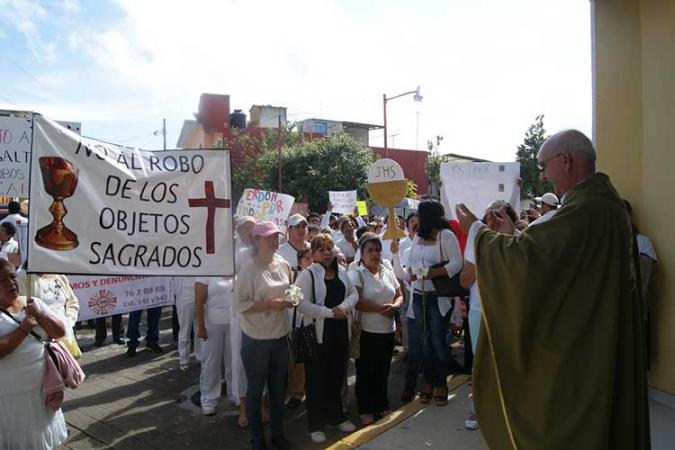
(444, 285)
(303, 338)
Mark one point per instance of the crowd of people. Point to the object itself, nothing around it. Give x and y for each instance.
(356, 294)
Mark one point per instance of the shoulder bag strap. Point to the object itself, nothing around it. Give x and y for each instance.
(313, 290)
(32, 333)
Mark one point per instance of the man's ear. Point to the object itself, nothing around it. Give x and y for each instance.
(567, 160)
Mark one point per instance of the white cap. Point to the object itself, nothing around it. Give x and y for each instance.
(549, 198)
(296, 219)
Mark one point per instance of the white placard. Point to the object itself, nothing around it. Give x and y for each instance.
(343, 202)
(15, 147)
(106, 296)
(385, 170)
(129, 211)
(478, 184)
(265, 205)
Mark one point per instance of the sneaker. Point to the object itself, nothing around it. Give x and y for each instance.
(184, 367)
(293, 403)
(280, 443)
(318, 437)
(208, 410)
(471, 424)
(346, 427)
(119, 341)
(131, 352)
(155, 347)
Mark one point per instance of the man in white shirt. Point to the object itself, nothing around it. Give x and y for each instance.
(549, 206)
(297, 235)
(14, 217)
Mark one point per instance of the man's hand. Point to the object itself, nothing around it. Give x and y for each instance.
(465, 217)
(499, 220)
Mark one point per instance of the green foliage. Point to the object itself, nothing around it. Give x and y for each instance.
(434, 161)
(312, 168)
(411, 191)
(527, 157)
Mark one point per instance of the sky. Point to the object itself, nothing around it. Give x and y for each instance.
(486, 68)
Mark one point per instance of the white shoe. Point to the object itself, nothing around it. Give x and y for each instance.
(184, 367)
(208, 410)
(471, 424)
(346, 427)
(318, 437)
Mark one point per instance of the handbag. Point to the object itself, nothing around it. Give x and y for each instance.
(304, 342)
(61, 369)
(444, 285)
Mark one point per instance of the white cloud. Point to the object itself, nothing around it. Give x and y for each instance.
(486, 68)
(24, 15)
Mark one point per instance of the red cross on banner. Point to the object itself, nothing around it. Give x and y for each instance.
(211, 203)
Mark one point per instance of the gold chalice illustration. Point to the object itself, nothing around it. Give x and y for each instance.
(60, 180)
(389, 194)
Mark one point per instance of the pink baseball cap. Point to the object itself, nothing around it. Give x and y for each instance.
(264, 229)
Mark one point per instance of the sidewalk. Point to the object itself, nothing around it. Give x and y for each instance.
(145, 403)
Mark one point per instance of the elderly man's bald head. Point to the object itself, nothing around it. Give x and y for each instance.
(566, 159)
(573, 142)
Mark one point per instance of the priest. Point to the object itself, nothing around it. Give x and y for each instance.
(561, 362)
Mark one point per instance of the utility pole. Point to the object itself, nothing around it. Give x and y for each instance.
(384, 104)
(279, 143)
(164, 131)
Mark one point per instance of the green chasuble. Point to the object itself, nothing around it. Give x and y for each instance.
(561, 361)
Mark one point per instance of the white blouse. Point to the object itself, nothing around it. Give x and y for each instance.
(378, 288)
(218, 307)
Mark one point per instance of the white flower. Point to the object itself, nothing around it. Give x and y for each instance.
(293, 294)
(420, 271)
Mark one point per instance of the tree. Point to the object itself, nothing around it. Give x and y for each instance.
(313, 168)
(433, 165)
(527, 157)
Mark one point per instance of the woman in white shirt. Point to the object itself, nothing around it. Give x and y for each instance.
(428, 329)
(213, 304)
(7, 242)
(260, 299)
(328, 299)
(379, 299)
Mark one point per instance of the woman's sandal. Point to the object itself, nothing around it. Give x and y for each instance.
(242, 422)
(440, 396)
(425, 395)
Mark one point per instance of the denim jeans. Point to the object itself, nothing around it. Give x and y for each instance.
(265, 361)
(133, 333)
(428, 342)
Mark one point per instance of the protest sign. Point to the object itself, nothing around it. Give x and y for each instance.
(265, 205)
(363, 208)
(100, 208)
(15, 147)
(342, 202)
(477, 184)
(106, 296)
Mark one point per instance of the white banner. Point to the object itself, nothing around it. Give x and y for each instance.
(98, 208)
(478, 184)
(15, 146)
(106, 296)
(265, 205)
(342, 202)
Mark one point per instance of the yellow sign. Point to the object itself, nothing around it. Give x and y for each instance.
(363, 209)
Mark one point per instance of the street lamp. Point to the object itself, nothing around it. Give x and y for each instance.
(417, 97)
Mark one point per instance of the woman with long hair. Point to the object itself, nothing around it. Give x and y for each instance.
(435, 243)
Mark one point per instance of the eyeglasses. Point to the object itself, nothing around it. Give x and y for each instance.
(542, 165)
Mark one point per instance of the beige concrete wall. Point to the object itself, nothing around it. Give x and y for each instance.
(634, 110)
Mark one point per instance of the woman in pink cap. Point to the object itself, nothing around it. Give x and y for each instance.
(259, 297)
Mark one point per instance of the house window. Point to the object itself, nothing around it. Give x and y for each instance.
(321, 127)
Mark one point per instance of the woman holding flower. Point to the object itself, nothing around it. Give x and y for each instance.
(428, 327)
(328, 299)
(260, 298)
